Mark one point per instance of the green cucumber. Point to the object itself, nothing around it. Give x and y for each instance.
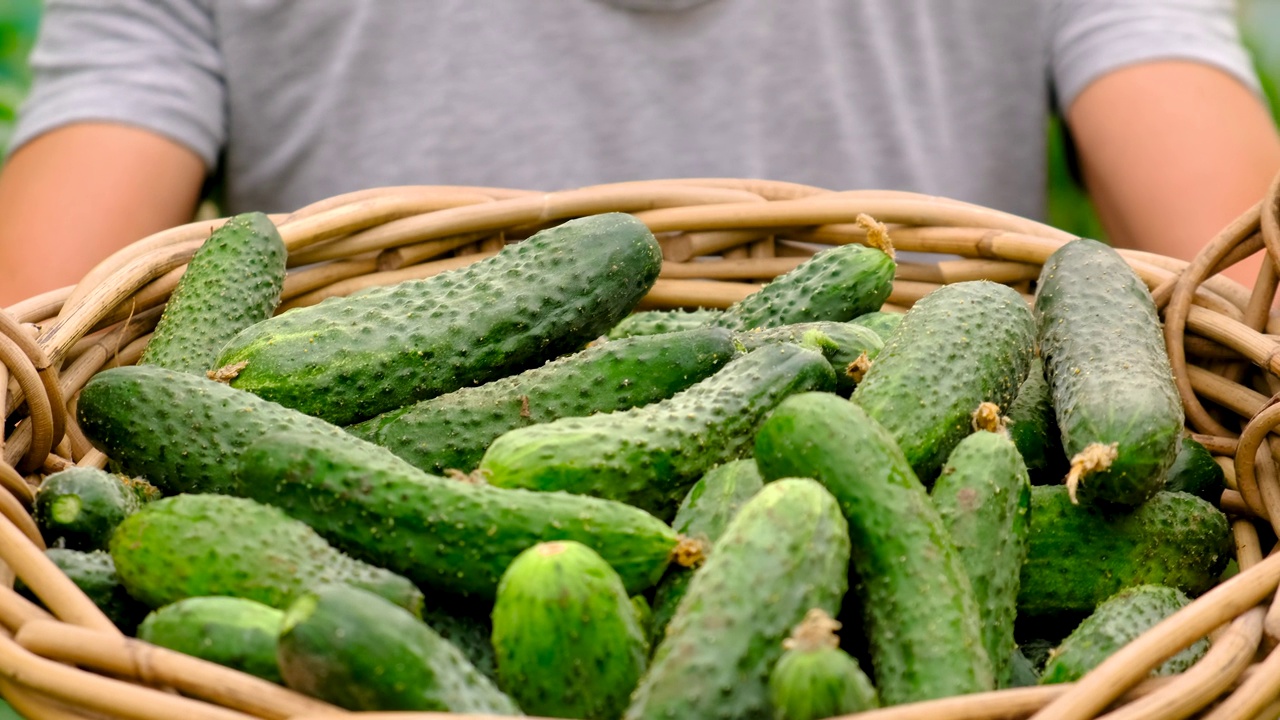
(79, 507)
(469, 629)
(814, 679)
(1195, 471)
(451, 535)
(348, 359)
(882, 322)
(1080, 556)
(959, 346)
(235, 632)
(354, 649)
(95, 574)
(566, 634)
(1034, 430)
(921, 618)
(192, 545)
(657, 322)
(849, 348)
(233, 281)
(1114, 397)
(1116, 622)
(452, 431)
(785, 553)
(650, 456)
(836, 284)
(984, 498)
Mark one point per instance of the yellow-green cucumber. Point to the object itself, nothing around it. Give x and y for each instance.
(814, 679)
(236, 632)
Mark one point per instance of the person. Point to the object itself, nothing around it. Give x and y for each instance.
(139, 106)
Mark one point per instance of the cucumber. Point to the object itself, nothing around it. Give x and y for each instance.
(95, 574)
(233, 281)
(814, 679)
(1079, 556)
(836, 284)
(354, 649)
(785, 553)
(1195, 471)
(702, 516)
(657, 322)
(959, 346)
(1114, 397)
(921, 618)
(1034, 430)
(650, 456)
(566, 635)
(79, 507)
(451, 431)
(984, 498)
(235, 632)
(1115, 623)
(348, 359)
(450, 535)
(849, 348)
(644, 615)
(469, 629)
(192, 545)
(880, 322)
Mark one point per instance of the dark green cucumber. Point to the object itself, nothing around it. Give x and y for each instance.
(984, 498)
(452, 535)
(837, 284)
(348, 359)
(882, 322)
(959, 346)
(644, 615)
(354, 649)
(702, 516)
(79, 507)
(814, 679)
(95, 574)
(1116, 622)
(451, 431)
(1109, 374)
(785, 553)
(235, 632)
(1034, 430)
(1080, 556)
(1022, 672)
(657, 322)
(233, 281)
(566, 634)
(192, 545)
(849, 348)
(921, 618)
(470, 630)
(1195, 471)
(650, 456)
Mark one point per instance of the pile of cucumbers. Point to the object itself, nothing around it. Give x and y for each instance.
(503, 490)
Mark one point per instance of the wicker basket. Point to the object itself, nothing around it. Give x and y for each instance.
(720, 238)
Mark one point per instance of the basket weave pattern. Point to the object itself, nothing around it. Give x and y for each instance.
(721, 239)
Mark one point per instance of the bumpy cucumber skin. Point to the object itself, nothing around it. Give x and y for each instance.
(180, 431)
(840, 343)
(566, 634)
(961, 345)
(815, 684)
(786, 552)
(1115, 623)
(79, 507)
(452, 431)
(233, 281)
(1078, 557)
(836, 284)
(469, 630)
(354, 649)
(1195, 471)
(657, 322)
(95, 574)
(650, 456)
(1108, 370)
(921, 618)
(881, 322)
(348, 359)
(235, 632)
(192, 545)
(984, 498)
(703, 515)
(1034, 429)
(449, 534)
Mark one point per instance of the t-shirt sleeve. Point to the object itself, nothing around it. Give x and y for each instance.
(152, 64)
(1092, 37)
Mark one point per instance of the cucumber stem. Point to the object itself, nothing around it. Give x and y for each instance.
(987, 417)
(689, 552)
(815, 632)
(857, 369)
(1094, 457)
(877, 234)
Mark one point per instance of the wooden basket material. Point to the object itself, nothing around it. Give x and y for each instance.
(721, 239)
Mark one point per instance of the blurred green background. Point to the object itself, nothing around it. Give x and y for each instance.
(1069, 207)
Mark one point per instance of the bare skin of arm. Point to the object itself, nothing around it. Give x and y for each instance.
(1172, 152)
(74, 195)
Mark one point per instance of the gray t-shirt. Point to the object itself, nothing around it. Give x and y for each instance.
(292, 101)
